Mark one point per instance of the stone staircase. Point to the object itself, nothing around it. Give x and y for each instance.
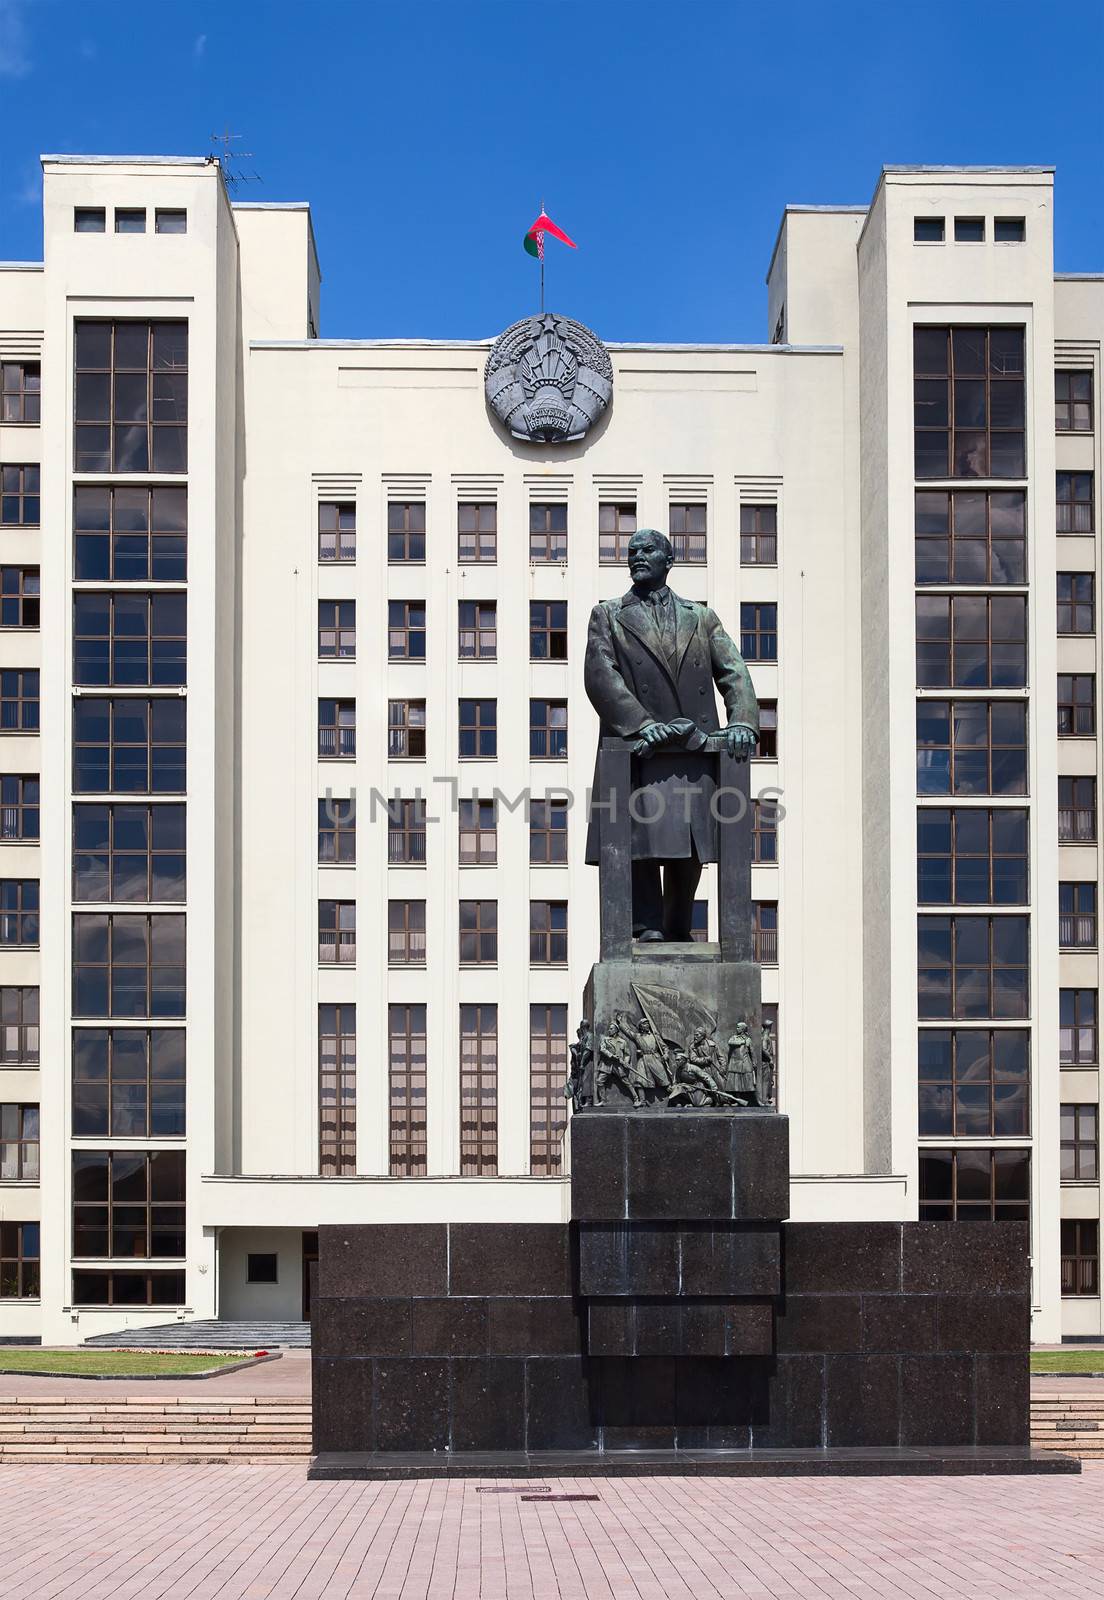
(209, 1335)
(1070, 1423)
(272, 1430)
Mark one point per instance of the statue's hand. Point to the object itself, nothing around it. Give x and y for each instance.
(740, 740)
(650, 737)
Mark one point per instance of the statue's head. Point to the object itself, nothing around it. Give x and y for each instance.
(700, 1034)
(741, 1027)
(651, 557)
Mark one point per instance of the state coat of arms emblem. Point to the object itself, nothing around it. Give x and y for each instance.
(548, 379)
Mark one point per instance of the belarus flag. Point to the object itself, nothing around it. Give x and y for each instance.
(534, 239)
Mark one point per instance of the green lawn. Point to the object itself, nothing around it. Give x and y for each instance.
(1067, 1361)
(111, 1363)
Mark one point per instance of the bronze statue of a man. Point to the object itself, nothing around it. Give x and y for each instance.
(652, 660)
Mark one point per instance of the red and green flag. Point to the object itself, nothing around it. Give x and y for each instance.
(534, 239)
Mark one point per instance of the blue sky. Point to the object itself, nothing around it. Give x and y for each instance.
(665, 138)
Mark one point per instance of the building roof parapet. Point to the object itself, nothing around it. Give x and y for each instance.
(805, 210)
(129, 161)
(21, 266)
(623, 348)
(1079, 277)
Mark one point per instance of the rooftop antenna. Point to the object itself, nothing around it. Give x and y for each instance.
(229, 160)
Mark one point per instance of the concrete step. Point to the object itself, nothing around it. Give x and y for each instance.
(138, 1428)
(208, 1334)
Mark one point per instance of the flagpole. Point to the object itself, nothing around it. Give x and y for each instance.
(541, 241)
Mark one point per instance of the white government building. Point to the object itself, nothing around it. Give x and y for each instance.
(248, 574)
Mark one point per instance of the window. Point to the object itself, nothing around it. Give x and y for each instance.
(406, 530)
(129, 852)
(687, 525)
(20, 497)
(477, 525)
(406, 832)
(699, 922)
(548, 832)
(1079, 1144)
(547, 1076)
(406, 730)
(18, 1143)
(337, 1049)
(971, 641)
(973, 967)
(128, 1288)
(130, 640)
(337, 932)
(128, 1083)
(261, 1267)
(478, 630)
(18, 911)
(479, 1091)
(478, 933)
(1077, 916)
(336, 730)
(766, 932)
(128, 1203)
(971, 747)
(134, 746)
(974, 1082)
(19, 1260)
(478, 825)
(969, 230)
(1081, 1257)
(128, 964)
(548, 730)
(616, 526)
(548, 630)
(406, 1050)
(927, 230)
(336, 831)
(1076, 704)
(18, 1026)
(1076, 603)
(406, 933)
(478, 730)
(131, 397)
(1074, 509)
(764, 832)
(548, 933)
(19, 802)
(21, 391)
(758, 631)
(89, 219)
(129, 220)
(759, 536)
(337, 530)
(971, 536)
(1077, 1036)
(337, 630)
(969, 402)
(971, 856)
(19, 597)
(975, 1185)
(1073, 402)
(767, 749)
(547, 533)
(1076, 810)
(169, 221)
(130, 534)
(406, 630)
(1008, 230)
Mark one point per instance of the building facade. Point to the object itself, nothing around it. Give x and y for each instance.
(294, 749)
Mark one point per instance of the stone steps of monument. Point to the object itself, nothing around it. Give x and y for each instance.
(208, 1334)
(147, 1429)
(1070, 1423)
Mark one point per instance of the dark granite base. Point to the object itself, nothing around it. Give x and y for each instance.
(869, 1463)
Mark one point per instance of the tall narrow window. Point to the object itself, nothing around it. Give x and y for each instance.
(1079, 1143)
(759, 536)
(1076, 602)
(758, 631)
(699, 922)
(478, 630)
(1073, 401)
(18, 911)
(1077, 916)
(18, 1143)
(477, 524)
(18, 1025)
(548, 832)
(478, 933)
(406, 730)
(547, 1076)
(406, 630)
(1076, 704)
(337, 630)
(406, 1049)
(337, 932)
(406, 933)
(336, 831)
(765, 832)
(547, 533)
(128, 1083)
(688, 532)
(131, 402)
(337, 1044)
(969, 402)
(478, 730)
(548, 933)
(616, 526)
(21, 391)
(337, 530)
(478, 833)
(1074, 506)
(19, 808)
(336, 730)
(548, 630)
(767, 748)
(1081, 1257)
(20, 591)
(20, 497)
(1077, 1028)
(406, 832)
(406, 531)
(19, 1260)
(766, 932)
(548, 730)
(478, 1091)
(1076, 810)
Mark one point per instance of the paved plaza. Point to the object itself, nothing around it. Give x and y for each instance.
(265, 1533)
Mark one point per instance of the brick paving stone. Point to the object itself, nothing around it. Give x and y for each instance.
(260, 1532)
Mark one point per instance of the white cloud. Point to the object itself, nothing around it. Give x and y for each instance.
(197, 48)
(15, 60)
